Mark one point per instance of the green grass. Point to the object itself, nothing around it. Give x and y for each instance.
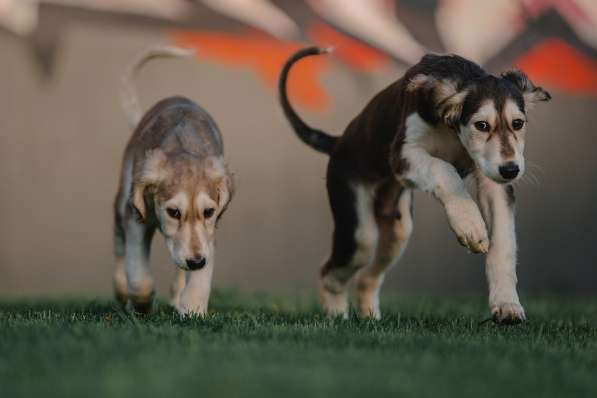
(269, 347)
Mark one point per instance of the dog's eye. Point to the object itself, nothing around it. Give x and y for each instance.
(173, 212)
(207, 213)
(517, 124)
(482, 126)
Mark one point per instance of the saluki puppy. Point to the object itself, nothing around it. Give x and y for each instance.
(174, 179)
(446, 118)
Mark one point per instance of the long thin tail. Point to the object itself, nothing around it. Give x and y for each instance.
(128, 94)
(316, 139)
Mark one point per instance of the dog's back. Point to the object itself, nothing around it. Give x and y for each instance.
(175, 125)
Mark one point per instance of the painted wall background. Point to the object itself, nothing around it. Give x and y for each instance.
(62, 132)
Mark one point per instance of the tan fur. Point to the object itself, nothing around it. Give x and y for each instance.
(185, 176)
(501, 144)
(419, 81)
(174, 180)
(177, 287)
(447, 97)
(119, 281)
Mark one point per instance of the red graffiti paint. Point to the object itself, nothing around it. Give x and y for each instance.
(265, 55)
(555, 63)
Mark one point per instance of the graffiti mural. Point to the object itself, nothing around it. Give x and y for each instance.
(554, 41)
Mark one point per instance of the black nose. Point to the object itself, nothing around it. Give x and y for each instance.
(196, 263)
(509, 171)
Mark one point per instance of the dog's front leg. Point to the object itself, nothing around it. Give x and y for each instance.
(140, 281)
(195, 295)
(177, 286)
(497, 203)
(430, 174)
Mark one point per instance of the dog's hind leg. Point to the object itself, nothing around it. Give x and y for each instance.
(354, 241)
(119, 277)
(140, 282)
(393, 213)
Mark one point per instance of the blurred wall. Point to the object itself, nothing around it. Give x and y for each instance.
(61, 143)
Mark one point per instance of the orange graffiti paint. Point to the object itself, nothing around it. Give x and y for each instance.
(266, 56)
(357, 55)
(555, 63)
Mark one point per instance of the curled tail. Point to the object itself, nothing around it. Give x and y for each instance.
(316, 139)
(128, 94)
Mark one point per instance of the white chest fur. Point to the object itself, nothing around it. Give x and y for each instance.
(441, 143)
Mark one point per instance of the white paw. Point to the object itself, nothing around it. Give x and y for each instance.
(333, 301)
(369, 310)
(368, 297)
(191, 312)
(468, 224)
(508, 313)
(190, 305)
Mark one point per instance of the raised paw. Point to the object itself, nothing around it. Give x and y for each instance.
(508, 313)
(468, 224)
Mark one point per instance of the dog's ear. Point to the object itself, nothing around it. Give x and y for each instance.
(225, 190)
(223, 183)
(152, 172)
(531, 93)
(449, 101)
(450, 109)
(137, 202)
(447, 97)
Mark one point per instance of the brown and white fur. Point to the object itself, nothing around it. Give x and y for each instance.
(443, 120)
(174, 179)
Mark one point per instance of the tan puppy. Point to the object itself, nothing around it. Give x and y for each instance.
(174, 179)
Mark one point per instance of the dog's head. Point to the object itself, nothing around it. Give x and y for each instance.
(187, 197)
(490, 116)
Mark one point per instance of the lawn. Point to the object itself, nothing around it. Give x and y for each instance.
(262, 346)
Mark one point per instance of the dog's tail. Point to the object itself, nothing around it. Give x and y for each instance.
(128, 95)
(316, 139)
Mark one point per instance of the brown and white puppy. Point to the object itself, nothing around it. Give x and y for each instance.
(444, 119)
(174, 179)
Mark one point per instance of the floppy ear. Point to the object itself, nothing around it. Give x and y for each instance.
(450, 109)
(223, 182)
(448, 99)
(152, 173)
(531, 93)
(137, 202)
(225, 190)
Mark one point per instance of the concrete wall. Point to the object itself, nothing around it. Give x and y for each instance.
(61, 143)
